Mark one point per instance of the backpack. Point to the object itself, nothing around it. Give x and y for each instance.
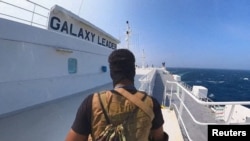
(112, 133)
(115, 132)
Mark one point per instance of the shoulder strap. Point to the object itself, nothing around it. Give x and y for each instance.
(103, 109)
(134, 99)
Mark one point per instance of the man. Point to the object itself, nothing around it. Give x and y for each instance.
(90, 120)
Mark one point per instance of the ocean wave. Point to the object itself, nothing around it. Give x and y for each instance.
(211, 95)
(184, 73)
(245, 79)
(198, 81)
(222, 85)
(216, 82)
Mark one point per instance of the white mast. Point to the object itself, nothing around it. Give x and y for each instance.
(128, 34)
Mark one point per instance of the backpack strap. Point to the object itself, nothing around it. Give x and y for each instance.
(138, 102)
(103, 109)
(105, 112)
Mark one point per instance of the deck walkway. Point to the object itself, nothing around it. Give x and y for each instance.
(52, 120)
(49, 121)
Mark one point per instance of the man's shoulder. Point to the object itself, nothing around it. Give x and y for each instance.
(146, 94)
(154, 100)
(101, 92)
(97, 95)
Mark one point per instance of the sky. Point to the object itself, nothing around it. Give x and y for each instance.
(181, 33)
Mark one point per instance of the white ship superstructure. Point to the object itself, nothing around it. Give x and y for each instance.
(40, 65)
(46, 73)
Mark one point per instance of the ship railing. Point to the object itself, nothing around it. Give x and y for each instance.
(186, 86)
(147, 81)
(180, 92)
(217, 109)
(181, 82)
(29, 13)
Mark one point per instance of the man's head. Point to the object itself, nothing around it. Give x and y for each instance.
(122, 65)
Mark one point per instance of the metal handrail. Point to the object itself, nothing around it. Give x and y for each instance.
(210, 103)
(181, 99)
(33, 12)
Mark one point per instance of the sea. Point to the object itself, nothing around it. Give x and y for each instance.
(222, 84)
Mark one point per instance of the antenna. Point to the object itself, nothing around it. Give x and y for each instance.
(143, 59)
(80, 8)
(128, 32)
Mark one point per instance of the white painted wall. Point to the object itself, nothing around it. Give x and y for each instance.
(32, 71)
(143, 71)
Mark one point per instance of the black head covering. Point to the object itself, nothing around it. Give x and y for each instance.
(122, 65)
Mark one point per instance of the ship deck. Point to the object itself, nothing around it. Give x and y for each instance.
(46, 122)
(52, 120)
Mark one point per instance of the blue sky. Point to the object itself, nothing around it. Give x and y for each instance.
(181, 33)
